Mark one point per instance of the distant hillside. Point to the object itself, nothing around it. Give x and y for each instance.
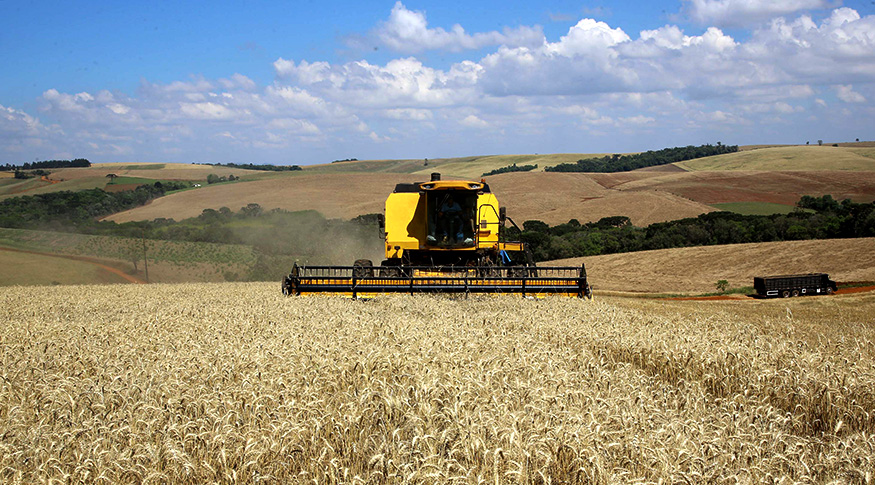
(698, 269)
(550, 197)
(169, 261)
(95, 177)
(462, 167)
(778, 176)
(789, 158)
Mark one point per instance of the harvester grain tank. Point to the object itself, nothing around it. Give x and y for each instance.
(443, 236)
(794, 285)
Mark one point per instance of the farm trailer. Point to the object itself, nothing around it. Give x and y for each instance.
(794, 285)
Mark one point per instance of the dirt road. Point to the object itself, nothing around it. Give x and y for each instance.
(94, 261)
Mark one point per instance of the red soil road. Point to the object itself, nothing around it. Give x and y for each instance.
(115, 271)
(857, 289)
(843, 291)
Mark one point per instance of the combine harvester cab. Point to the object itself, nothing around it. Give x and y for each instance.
(443, 236)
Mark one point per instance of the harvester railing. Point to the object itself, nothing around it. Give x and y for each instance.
(359, 281)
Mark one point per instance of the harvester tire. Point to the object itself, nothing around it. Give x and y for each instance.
(363, 268)
(390, 272)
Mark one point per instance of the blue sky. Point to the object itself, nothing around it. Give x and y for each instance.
(311, 82)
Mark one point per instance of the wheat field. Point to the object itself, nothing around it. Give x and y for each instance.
(222, 383)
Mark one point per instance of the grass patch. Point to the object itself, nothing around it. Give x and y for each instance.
(755, 208)
(151, 166)
(36, 269)
(854, 284)
(219, 257)
(124, 180)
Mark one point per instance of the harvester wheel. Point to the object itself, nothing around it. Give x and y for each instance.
(363, 268)
(390, 272)
(288, 286)
(795, 292)
(830, 291)
(785, 294)
(517, 272)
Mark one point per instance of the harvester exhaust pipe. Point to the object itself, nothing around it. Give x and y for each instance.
(435, 177)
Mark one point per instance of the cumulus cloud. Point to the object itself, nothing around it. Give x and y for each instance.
(737, 13)
(407, 31)
(594, 78)
(16, 122)
(472, 121)
(847, 94)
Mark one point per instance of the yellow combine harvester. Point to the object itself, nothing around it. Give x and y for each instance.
(442, 236)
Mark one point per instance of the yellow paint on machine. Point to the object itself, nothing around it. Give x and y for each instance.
(407, 219)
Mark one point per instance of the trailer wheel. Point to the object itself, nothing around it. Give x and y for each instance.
(830, 291)
(785, 293)
(795, 292)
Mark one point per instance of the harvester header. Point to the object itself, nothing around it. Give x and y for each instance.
(443, 236)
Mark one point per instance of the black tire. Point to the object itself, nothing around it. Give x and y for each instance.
(363, 268)
(390, 272)
(785, 293)
(517, 272)
(795, 292)
(390, 268)
(830, 291)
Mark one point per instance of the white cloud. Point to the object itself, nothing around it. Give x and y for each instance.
(847, 94)
(206, 111)
(409, 114)
(589, 37)
(638, 120)
(548, 95)
(735, 13)
(238, 81)
(17, 122)
(407, 31)
(404, 82)
(472, 121)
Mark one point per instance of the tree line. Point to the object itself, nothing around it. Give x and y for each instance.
(650, 158)
(511, 168)
(77, 163)
(66, 210)
(815, 218)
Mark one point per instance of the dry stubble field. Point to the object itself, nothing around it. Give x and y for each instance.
(235, 383)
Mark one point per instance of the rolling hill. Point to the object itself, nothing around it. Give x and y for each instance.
(788, 158)
(697, 269)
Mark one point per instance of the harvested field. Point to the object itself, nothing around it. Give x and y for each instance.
(165, 171)
(235, 383)
(807, 158)
(550, 197)
(335, 196)
(470, 168)
(746, 186)
(697, 269)
(642, 207)
(777, 175)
